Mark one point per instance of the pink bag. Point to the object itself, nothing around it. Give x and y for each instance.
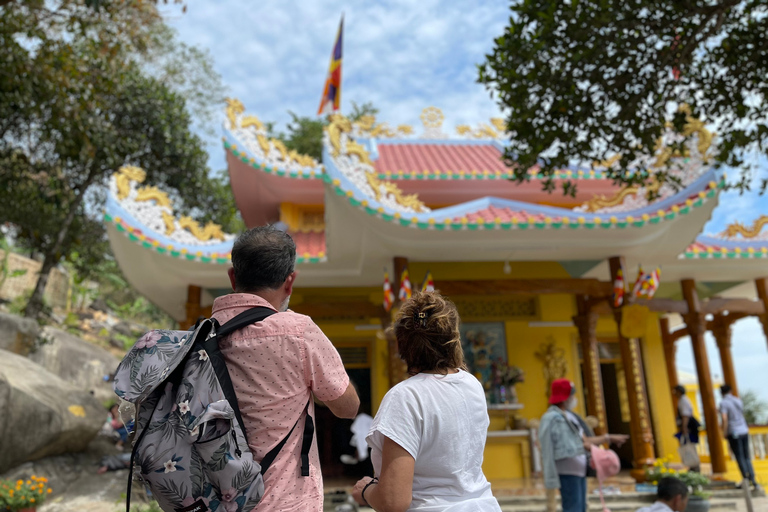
(607, 464)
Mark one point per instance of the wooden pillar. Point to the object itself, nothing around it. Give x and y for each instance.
(640, 418)
(762, 293)
(721, 329)
(670, 351)
(193, 308)
(397, 368)
(586, 322)
(697, 326)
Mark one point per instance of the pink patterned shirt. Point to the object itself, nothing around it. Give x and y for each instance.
(276, 365)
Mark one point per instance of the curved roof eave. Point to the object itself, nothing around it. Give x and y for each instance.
(539, 216)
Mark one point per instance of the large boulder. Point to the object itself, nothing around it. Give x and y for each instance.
(18, 334)
(78, 362)
(42, 414)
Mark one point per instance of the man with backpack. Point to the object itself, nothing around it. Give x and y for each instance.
(224, 412)
(277, 365)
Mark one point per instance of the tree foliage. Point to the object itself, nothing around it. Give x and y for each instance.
(305, 134)
(755, 409)
(583, 80)
(77, 103)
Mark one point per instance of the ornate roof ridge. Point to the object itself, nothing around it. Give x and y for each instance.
(460, 216)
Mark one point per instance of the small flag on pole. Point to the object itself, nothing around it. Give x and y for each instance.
(618, 289)
(331, 99)
(638, 286)
(653, 281)
(405, 286)
(428, 285)
(389, 296)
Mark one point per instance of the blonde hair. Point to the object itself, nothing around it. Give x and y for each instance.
(427, 333)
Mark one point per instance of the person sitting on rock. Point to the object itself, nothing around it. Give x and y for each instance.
(117, 425)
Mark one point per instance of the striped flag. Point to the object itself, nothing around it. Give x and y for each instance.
(389, 296)
(331, 99)
(405, 286)
(618, 289)
(637, 289)
(653, 280)
(428, 285)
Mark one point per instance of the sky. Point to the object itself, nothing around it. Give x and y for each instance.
(402, 56)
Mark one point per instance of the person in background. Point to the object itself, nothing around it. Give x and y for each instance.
(428, 437)
(737, 432)
(687, 424)
(117, 425)
(671, 496)
(565, 441)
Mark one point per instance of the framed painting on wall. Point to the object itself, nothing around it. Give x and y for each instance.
(483, 343)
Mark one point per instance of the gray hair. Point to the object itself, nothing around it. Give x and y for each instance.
(262, 258)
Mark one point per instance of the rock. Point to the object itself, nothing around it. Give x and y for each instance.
(42, 415)
(99, 305)
(124, 328)
(78, 362)
(117, 343)
(77, 487)
(18, 334)
(83, 315)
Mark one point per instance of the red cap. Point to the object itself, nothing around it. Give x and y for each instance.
(562, 389)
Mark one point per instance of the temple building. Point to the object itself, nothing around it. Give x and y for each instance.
(533, 274)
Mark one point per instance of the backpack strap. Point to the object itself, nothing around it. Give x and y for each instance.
(306, 443)
(211, 346)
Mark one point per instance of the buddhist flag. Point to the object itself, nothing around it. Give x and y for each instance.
(653, 280)
(389, 297)
(638, 287)
(332, 91)
(405, 286)
(618, 289)
(428, 285)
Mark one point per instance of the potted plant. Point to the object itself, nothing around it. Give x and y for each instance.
(23, 496)
(504, 377)
(698, 500)
(696, 482)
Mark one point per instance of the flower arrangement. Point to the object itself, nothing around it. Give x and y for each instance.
(506, 375)
(696, 482)
(20, 495)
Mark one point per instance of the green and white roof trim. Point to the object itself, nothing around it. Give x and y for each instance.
(504, 214)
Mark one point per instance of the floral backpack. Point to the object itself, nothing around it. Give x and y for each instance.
(190, 447)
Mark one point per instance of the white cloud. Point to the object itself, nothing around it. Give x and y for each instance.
(401, 55)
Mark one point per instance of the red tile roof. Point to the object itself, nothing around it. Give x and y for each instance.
(416, 158)
(491, 213)
(309, 244)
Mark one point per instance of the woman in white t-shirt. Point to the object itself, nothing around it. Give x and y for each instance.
(428, 436)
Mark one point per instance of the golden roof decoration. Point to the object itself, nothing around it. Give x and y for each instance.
(692, 126)
(366, 127)
(495, 130)
(160, 215)
(736, 228)
(272, 151)
(432, 117)
(341, 143)
(636, 194)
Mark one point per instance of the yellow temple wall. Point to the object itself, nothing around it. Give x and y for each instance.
(509, 457)
(659, 390)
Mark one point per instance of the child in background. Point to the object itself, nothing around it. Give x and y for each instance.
(117, 425)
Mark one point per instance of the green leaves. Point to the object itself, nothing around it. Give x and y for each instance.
(585, 80)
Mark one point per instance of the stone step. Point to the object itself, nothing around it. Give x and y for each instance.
(627, 506)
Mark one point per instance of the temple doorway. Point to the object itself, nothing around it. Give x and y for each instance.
(334, 434)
